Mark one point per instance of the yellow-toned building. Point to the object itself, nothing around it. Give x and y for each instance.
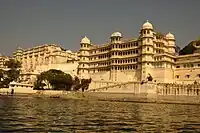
(42, 58)
(123, 60)
(3, 59)
(120, 60)
(188, 66)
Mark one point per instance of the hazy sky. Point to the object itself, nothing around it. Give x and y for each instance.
(27, 23)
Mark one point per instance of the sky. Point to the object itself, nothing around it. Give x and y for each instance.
(28, 23)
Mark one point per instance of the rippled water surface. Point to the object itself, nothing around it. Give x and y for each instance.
(29, 114)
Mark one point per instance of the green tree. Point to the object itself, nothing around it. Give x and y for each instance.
(1, 78)
(13, 64)
(189, 49)
(11, 73)
(76, 84)
(56, 79)
(1, 74)
(85, 84)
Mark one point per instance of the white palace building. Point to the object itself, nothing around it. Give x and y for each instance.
(120, 60)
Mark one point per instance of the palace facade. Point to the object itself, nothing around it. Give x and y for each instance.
(120, 60)
(123, 60)
(42, 58)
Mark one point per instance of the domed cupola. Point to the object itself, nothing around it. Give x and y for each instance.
(170, 36)
(116, 37)
(147, 25)
(171, 43)
(85, 40)
(116, 34)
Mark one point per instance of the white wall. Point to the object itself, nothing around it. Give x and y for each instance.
(70, 68)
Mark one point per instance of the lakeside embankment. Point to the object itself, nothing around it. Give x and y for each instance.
(108, 96)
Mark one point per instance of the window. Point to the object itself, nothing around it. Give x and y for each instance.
(147, 49)
(177, 76)
(177, 66)
(198, 65)
(187, 76)
(198, 75)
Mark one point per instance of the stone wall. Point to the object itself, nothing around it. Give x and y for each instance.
(18, 90)
(21, 90)
(104, 76)
(5, 91)
(50, 92)
(181, 75)
(141, 97)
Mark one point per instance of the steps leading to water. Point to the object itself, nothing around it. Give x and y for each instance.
(112, 86)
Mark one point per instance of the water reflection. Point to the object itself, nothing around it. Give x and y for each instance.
(26, 114)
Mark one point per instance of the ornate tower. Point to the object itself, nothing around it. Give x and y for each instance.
(83, 68)
(115, 41)
(147, 50)
(171, 43)
(18, 54)
(116, 37)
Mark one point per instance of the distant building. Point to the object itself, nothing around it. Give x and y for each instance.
(3, 59)
(41, 58)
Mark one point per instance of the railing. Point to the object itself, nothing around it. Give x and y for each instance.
(178, 89)
(159, 88)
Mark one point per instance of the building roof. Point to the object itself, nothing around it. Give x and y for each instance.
(147, 25)
(85, 40)
(116, 34)
(170, 36)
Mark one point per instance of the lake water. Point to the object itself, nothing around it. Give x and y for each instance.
(29, 114)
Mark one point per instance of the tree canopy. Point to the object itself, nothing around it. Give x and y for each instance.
(189, 49)
(54, 79)
(12, 64)
(11, 74)
(58, 80)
